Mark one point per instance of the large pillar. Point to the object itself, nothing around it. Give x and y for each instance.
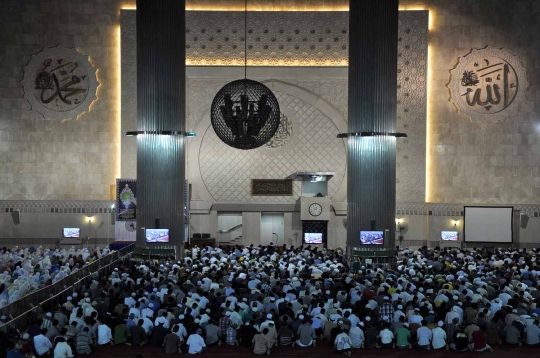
(161, 108)
(371, 160)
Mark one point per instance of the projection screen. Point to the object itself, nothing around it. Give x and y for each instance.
(488, 224)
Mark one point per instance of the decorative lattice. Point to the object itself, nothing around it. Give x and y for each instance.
(245, 114)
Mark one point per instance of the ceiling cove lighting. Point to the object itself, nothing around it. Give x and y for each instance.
(136, 133)
(372, 134)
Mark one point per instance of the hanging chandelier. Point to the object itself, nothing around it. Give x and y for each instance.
(245, 114)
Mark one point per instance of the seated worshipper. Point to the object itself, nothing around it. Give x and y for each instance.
(211, 331)
(512, 335)
(122, 334)
(403, 336)
(305, 334)
(15, 352)
(52, 331)
(285, 336)
(26, 344)
(196, 343)
(371, 334)
(479, 343)
(247, 332)
(261, 345)
(62, 349)
(424, 336)
(532, 333)
(83, 342)
(342, 343)
(172, 343)
(42, 344)
(438, 340)
(104, 335)
(138, 334)
(460, 341)
(386, 337)
(158, 334)
(272, 334)
(230, 335)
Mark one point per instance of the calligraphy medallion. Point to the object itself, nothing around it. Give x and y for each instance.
(60, 83)
(488, 84)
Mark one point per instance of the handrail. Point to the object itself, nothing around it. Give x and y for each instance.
(231, 229)
(37, 298)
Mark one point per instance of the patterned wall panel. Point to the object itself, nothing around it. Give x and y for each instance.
(227, 172)
(412, 72)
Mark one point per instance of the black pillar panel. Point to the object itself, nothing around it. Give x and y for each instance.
(371, 187)
(161, 107)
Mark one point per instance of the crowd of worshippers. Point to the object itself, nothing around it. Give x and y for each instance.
(264, 298)
(24, 270)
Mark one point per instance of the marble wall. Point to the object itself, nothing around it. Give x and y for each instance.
(467, 162)
(45, 159)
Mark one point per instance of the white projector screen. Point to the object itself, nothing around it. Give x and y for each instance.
(488, 224)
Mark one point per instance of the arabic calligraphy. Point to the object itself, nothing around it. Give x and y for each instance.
(489, 85)
(60, 84)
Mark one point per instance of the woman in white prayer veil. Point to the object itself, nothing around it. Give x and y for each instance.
(14, 295)
(85, 254)
(45, 277)
(59, 275)
(67, 269)
(24, 288)
(37, 278)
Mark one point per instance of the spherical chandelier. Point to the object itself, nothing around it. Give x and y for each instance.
(245, 113)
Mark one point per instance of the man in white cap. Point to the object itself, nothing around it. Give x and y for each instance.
(130, 300)
(268, 321)
(438, 340)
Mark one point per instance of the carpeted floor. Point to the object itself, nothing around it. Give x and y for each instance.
(319, 351)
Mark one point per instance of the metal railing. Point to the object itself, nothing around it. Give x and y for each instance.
(28, 307)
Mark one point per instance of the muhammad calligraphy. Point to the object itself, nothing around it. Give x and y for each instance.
(488, 84)
(60, 83)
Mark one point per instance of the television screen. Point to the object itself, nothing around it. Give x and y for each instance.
(313, 238)
(72, 232)
(371, 237)
(157, 235)
(449, 235)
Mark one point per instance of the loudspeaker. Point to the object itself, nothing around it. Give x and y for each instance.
(523, 221)
(16, 217)
(373, 223)
(113, 216)
(156, 223)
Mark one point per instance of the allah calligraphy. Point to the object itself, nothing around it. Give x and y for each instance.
(60, 83)
(488, 84)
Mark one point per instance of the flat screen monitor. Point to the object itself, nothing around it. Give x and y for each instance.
(449, 236)
(157, 235)
(372, 237)
(313, 238)
(72, 232)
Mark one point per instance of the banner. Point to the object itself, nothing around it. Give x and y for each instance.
(126, 199)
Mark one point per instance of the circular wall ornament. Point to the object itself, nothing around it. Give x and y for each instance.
(60, 83)
(245, 114)
(488, 84)
(283, 133)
